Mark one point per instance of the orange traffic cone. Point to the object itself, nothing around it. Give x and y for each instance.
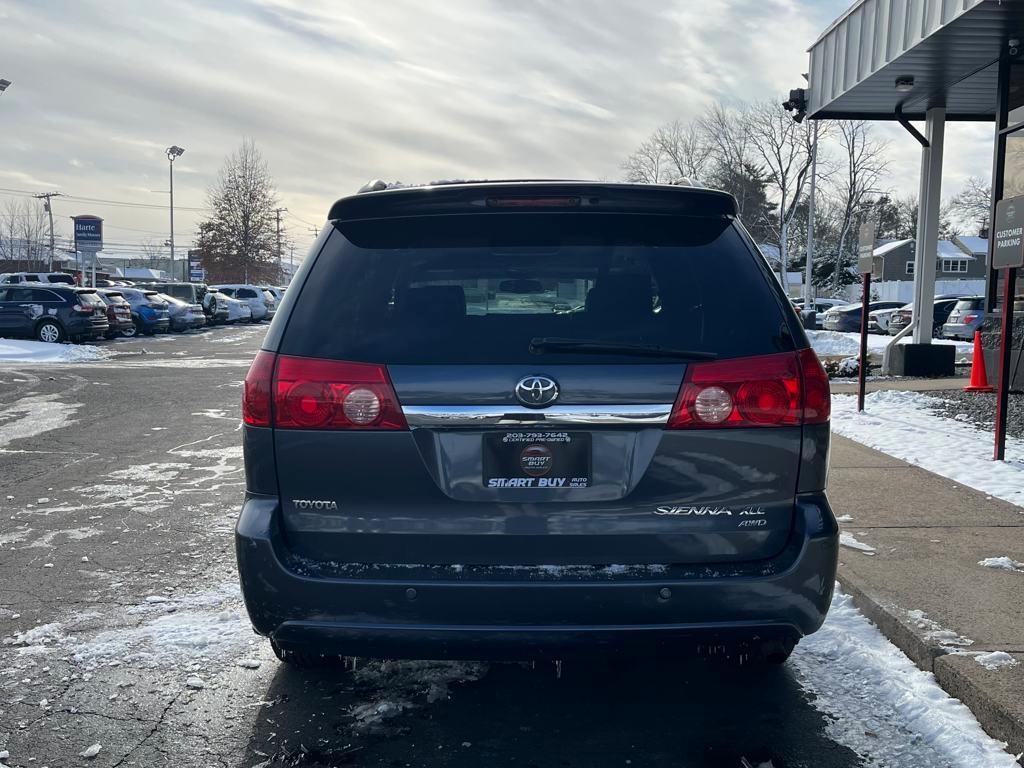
(979, 379)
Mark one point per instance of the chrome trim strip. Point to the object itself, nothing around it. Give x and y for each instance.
(513, 415)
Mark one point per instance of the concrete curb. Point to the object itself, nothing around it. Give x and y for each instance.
(1002, 717)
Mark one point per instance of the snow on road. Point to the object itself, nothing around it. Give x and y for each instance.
(836, 343)
(23, 351)
(902, 425)
(881, 705)
(34, 415)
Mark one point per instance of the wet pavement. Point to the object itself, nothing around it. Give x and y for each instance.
(122, 624)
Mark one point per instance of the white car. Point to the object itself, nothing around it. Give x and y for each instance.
(58, 278)
(878, 321)
(261, 302)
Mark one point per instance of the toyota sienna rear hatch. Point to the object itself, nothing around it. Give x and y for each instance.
(536, 375)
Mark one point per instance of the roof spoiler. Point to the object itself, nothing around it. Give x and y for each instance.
(519, 196)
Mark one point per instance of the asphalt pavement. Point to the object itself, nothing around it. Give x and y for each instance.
(122, 625)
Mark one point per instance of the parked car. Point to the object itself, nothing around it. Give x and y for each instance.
(878, 320)
(52, 312)
(149, 313)
(261, 302)
(62, 278)
(119, 313)
(277, 293)
(215, 307)
(941, 308)
(967, 316)
(515, 452)
(847, 317)
(820, 307)
(231, 310)
(192, 293)
(184, 316)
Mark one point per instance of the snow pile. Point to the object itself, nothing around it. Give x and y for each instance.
(834, 343)
(947, 638)
(848, 540)
(21, 351)
(901, 424)
(995, 660)
(1002, 563)
(882, 706)
(837, 343)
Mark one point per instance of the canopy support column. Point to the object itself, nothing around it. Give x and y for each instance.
(927, 245)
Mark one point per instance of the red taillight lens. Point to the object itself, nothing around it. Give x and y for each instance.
(817, 395)
(331, 394)
(768, 390)
(968, 319)
(256, 392)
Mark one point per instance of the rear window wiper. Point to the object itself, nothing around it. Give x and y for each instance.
(543, 344)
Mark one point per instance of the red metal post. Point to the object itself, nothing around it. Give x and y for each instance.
(1005, 347)
(863, 367)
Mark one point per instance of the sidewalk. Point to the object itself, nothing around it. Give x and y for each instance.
(849, 386)
(928, 534)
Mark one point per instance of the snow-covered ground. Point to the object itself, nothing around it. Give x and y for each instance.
(23, 351)
(901, 425)
(881, 705)
(836, 343)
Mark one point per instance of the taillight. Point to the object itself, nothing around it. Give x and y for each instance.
(967, 319)
(331, 394)
(81, 308)
(768, 390)
(256, 393)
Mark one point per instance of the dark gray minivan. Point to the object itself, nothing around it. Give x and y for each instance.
(535, 419)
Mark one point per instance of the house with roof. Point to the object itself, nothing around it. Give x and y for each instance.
(960, 267)
(962, 258)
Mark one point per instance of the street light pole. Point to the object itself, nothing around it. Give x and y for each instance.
(173, 152)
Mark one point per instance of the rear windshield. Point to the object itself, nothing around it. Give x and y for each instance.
(90, 297)
(479, 288)
(970, 304)
(66, 279)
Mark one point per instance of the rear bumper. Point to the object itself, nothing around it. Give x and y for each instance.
(783, 598)
(958, 331)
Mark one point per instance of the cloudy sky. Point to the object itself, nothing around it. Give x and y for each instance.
(339, 92)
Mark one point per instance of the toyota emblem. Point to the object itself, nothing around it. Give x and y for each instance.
(536, 391)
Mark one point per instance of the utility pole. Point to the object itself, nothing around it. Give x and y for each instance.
(314, 230)
(45, 197)
(291, 262)
(277, 213)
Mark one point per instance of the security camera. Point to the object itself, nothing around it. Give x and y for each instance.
(797, 104)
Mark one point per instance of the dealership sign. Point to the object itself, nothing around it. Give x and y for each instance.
(88, 233)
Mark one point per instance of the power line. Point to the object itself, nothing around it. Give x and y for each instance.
(111, 203)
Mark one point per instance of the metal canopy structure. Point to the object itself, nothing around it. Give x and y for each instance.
(936, 60)
(949, 48)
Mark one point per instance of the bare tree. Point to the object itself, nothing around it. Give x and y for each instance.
(685, 149)
(24, 229)
(972, 203)
(154, 254)
(645, 165)
(784, 146)
(239, 241)
(862, 166)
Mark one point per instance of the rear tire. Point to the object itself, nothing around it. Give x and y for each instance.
(301, 659)
(49, 332)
